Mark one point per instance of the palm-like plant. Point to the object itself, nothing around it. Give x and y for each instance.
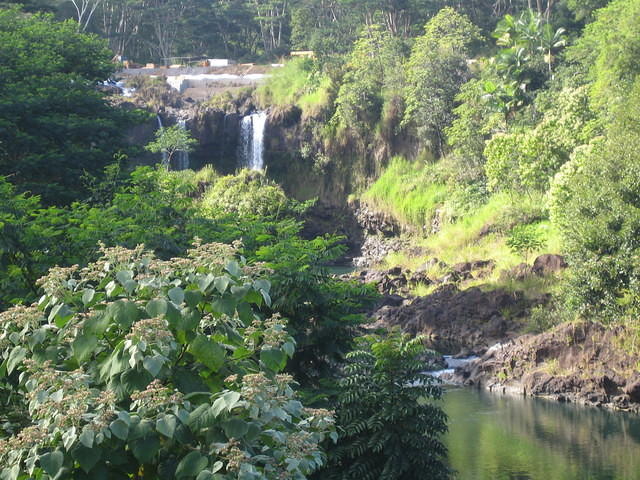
(390, 429)
(550, 42)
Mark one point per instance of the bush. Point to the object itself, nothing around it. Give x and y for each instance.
(525, 239)
(248, 193)
(134, 366)
(389, 429)
(595, 205)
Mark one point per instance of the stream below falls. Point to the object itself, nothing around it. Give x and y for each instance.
(502, 437)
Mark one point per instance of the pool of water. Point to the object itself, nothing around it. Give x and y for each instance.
(499, 437)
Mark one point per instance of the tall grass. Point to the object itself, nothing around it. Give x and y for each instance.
(482, 235)
(408, 192)
(297, 83)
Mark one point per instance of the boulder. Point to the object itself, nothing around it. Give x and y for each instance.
(548, 264)
(632, 389)
(469, 319)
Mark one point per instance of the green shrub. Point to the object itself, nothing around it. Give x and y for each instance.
(595, 206)
(249, 193)
(300, 83)
(525, 239)
(390, 429)
(134, 366)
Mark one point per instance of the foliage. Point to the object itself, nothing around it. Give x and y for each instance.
(596, 207)
(324, 312)
(610, 50)
(389, 427)
(153, 207)
(170, 140)
(529, 44)
(525, 160)
(300, 82)
(408, 191)
(371, 73)
(584, 9)
(250, 193)
(473, 124)
(158, 208)
(525, 239)
(138, 367)
(54, 124)
(435, 70)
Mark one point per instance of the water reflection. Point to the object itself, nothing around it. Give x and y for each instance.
(497, 437)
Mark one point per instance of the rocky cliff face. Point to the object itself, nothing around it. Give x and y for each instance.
(575, 362)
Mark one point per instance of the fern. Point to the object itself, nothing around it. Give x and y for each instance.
(390, 427)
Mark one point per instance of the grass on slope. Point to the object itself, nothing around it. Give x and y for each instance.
(297, 83)
(407, 191)
(482, 236)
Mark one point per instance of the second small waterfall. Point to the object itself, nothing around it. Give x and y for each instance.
(252, 140)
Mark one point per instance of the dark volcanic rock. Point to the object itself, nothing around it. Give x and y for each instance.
(632, 389)
(387, 281)
(454, 319)
(548, 264)
(519, 272)
(375, 248)
(573, 362)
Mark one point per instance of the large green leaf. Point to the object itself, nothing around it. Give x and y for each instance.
(166, 425)
(221, 283)
(51, 462)
(157, 307)
(15, 357)
(83, 346)
(145, 448)
(235, 428)
(86, 457)
(208, 352)
(176, 294)
(60, 314)
(154, 364)
(123, 312)
(273, 359)
(191, 465)
(120, 429)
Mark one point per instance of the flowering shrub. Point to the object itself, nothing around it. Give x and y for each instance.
(135, 367)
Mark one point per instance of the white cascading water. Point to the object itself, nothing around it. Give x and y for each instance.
(252, 140)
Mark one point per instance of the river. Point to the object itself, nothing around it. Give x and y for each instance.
(499, 437)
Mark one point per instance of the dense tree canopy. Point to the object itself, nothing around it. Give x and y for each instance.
(55, 127)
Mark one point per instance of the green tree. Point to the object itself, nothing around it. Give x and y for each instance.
(595, 205)
(526, 159)
(435, 72)
(54, 124)
(389, 427)
(610, 51)
(525, 239)
(371, 75)
(170, 140)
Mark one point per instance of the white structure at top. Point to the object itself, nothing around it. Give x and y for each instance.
(220, 62)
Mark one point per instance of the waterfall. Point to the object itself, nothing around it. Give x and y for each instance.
(182, 157)
(252, 140)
